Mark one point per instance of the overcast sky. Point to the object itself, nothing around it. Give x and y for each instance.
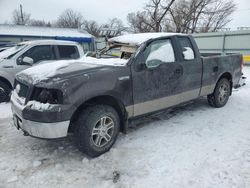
(99, 10)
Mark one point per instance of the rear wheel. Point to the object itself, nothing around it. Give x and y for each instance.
(4, 92)
(221, 94)
(97, 129)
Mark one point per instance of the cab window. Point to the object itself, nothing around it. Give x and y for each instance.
(68, 52)
(187, 49)
(159, 52)
(40, 53)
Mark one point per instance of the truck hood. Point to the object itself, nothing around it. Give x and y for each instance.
(1, 60)
(65, 69)
(5, 62)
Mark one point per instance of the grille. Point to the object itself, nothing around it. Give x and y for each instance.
(21, 89)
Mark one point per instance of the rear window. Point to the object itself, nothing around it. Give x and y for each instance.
(68, 52)
(187, 48)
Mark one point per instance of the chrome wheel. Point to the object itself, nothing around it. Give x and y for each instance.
(2, 90)
(223, 92)
(102, 131)
(3, 94)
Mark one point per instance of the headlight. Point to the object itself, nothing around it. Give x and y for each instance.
(51, 96)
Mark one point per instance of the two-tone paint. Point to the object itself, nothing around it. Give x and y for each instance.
(137, 90)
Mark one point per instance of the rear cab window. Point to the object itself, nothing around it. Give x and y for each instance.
(68, 52)
(187, 49)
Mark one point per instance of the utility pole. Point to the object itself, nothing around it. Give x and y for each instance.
(21, 11)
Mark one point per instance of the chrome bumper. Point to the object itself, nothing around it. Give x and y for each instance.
(37, 129)
(42, 130)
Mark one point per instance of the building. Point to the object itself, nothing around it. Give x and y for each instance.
(12, 34)
(228, 42)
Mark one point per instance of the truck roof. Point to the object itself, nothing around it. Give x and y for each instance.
(50, 42)
(139, 38)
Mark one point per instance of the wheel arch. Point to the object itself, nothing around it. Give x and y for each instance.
(104, 100)
(229, 77)
(6, 81)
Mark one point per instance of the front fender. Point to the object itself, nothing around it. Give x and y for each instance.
(7, 77)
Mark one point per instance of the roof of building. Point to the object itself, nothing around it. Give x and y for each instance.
(49, 42)
(139, 38)
(34, 31)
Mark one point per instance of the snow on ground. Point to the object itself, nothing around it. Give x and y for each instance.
(5, 111)
(190, 146)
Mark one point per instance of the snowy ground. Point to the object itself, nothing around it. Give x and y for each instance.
(191, 146)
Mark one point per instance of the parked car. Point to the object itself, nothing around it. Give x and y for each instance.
(97, 98)
(4, 48)
(26, 54)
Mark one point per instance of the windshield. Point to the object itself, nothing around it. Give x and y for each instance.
(9, 53)
(118, 51)
(111, 52)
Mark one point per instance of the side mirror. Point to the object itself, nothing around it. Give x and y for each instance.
(28, 60)
(140, 66)
(153, 63)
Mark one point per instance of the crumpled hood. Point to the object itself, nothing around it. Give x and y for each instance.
(65, 69)
(56, 71)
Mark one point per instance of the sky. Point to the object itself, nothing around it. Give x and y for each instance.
(99, 10)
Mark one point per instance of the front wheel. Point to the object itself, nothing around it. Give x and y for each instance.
(221, 94)
(97, 129)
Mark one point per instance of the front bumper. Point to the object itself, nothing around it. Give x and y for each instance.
(46, 130)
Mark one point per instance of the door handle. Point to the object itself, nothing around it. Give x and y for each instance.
(215, 69)
(7, 67)
(177, 71)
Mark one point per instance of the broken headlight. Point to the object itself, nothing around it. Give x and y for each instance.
(51, 96)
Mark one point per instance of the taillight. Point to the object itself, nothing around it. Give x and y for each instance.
(242, 63)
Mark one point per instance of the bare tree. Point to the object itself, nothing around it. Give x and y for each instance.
(185, 16)
(70, 19)
(157, 10)
(40, 23)
(92, 27)
(95, 29)
(218, 15)
(19, 19)
(201, 15)
(115, 24)
(139, 22)
(152, 17)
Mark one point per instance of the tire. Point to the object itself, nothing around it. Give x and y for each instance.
(5, 91)
(221, 94)
(210, 100)
(96, 130)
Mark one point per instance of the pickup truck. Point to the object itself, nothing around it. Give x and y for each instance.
(29, 53)
(96, 98)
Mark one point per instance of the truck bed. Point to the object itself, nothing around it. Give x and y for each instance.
(215, 65)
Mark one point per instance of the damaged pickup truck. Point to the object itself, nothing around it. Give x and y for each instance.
(96, 98)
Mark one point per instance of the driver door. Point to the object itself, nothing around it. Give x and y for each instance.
(38, 54)
(157, 81)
